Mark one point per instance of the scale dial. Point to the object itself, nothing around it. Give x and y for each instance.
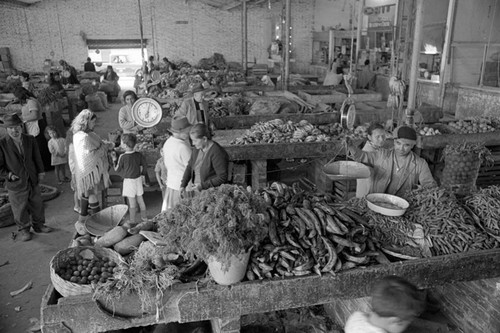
(146, 112)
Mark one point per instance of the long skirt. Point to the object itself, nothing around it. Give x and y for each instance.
(172, 198)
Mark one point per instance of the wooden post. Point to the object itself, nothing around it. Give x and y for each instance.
(417, 39)
(361, 4)
(446, 51)
(141, 30)
(259, 174)
(244, 38)
(287, 44)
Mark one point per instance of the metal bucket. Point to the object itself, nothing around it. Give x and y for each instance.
(346, 170)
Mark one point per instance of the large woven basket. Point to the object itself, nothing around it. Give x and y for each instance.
(6, 216)
(67, 288)
(49, 192)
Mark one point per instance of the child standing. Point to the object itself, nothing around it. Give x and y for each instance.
(59, 153)
(376, 140)
(131, 165)
(161, 172)
(395, 304)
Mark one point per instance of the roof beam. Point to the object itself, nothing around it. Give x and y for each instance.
(231, 5)
(16, 3)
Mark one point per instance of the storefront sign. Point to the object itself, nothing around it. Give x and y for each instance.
(381, 16)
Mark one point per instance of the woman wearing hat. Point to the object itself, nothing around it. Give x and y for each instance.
(397, 170)
(176, 155)
(194, 108)
(208, 166)
(125, 119)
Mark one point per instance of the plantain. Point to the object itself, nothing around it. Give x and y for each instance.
(305, 266)
(267, 198)
(273, 234)
(279, 202)
(316, 269)
(299, 225)
(306, 204)
(331, 225)
(345, 218)
(348, 265)
(301, 273)
(315, 220)
(283, 262)
(265, 267)
(287, 256)
(324, 207)
(307, 221)
(360, 260)
(256, 271)
(283, 214)
(277, 186)
(268, 275)
(290, 240)
(281, 270)
(358, 219)
(332, 255)
(338, 265)
(304, 244)
(341, 225)
(269, 247)
(344, 242)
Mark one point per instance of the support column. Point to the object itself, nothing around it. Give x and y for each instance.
(417, 39)
(259, 174)
(244, 37)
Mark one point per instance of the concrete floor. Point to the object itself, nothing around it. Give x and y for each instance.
(29, 261)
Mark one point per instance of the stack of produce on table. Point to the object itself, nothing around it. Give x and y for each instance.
(446, 224)
(335, 129)
(87, 271)
(144, 142)
(308, 233)
(231, 105)
(485, 207)
(476, 125)
(429, 131)
(170, 107)
(279, 131)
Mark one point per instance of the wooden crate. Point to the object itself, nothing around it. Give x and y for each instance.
(344, 190)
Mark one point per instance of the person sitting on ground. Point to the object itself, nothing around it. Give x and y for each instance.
(132, 165)
(395, 303)
(110, 84)
(22, 167)
(89, 66)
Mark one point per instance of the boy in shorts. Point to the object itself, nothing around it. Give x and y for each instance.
(131, 165)
(395, 304)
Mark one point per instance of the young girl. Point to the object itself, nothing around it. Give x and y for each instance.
(59, 153)
(376, 140)
(131, 165)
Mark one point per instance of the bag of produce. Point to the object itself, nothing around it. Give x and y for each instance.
(94, 103)
(462, 163)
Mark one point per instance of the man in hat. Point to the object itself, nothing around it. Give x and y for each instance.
(397, 170)
(176, 155)
(195, 108)
(22, 167)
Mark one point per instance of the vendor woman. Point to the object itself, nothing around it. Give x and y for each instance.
(397, 170)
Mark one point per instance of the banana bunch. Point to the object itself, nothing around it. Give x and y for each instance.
(309, 234)
(397, 86)
(278, 131)
(394, 101)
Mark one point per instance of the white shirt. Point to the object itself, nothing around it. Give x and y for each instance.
(176, 154)
(358, 323)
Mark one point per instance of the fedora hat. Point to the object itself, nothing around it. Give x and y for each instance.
(197, 87)
(179, 125)
(11, 120)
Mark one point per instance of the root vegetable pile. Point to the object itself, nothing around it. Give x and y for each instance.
(84, 271)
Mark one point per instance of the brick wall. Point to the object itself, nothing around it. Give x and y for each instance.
(54, 29)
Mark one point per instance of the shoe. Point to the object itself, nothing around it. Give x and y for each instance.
(76, 209)
(60, 182)
(42, 229)
(24, 235)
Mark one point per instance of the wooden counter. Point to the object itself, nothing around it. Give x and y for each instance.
(442, 140)
(224, 305)
(234, 122)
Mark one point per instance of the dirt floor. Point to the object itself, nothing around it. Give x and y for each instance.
(29, 261)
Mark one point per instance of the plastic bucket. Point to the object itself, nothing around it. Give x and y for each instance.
(235, 272)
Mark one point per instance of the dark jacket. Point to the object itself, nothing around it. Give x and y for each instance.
(213, 170)
(25, 166)
(88, 67)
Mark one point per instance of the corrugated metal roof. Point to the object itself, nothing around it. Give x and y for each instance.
(236, 4)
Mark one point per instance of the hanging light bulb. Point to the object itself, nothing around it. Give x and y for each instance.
(269, 4)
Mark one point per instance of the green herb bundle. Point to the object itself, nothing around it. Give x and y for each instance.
(218, 222)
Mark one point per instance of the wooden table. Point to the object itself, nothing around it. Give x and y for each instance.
(258, 154)
(247, 121)
(224, 305)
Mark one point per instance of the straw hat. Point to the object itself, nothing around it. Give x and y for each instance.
(198, 87)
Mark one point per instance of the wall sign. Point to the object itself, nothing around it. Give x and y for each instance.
(381, 16)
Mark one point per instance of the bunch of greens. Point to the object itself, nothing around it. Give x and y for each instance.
(218, 222)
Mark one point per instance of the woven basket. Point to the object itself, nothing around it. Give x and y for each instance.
(67, 288)
(6, 216)
(51, 192)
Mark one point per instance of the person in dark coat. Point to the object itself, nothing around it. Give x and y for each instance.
(89, 66)
(208, 165)
(21, 165)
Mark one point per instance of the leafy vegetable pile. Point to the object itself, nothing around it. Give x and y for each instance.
(217, 222)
